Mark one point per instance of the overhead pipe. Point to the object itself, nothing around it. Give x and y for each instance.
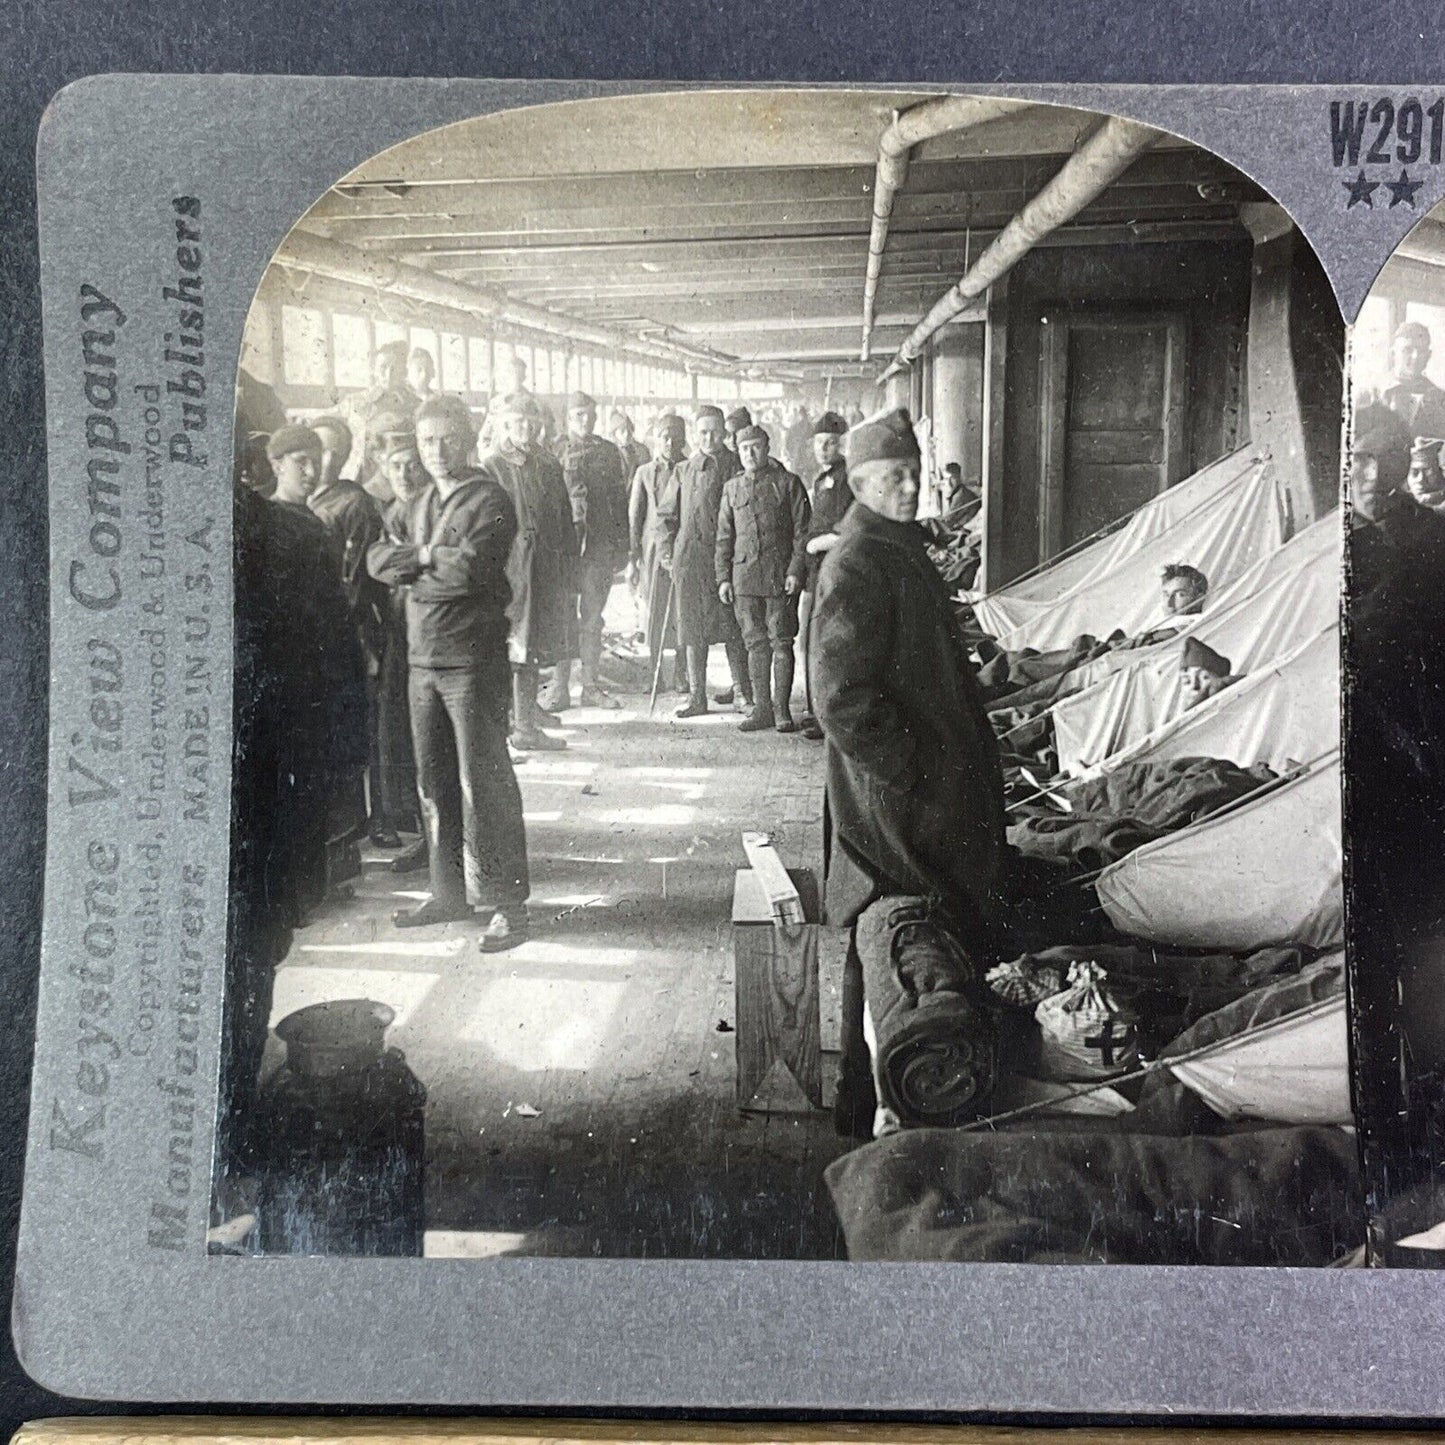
(1090, 171)
(911, 127)
(335, 260)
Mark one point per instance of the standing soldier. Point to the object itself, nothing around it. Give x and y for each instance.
(543, 566)
(832, 496)
(761, 533)
(914, 789)
(653, 522)
(596, 480)
(702, 617)
(634, 453)
(449, 548)
(738, 418)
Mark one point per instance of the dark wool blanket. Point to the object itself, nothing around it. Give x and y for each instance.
(931, 1034)
(1264, 1197)
(1132, 805)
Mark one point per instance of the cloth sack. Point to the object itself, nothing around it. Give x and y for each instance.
(1085, 1033)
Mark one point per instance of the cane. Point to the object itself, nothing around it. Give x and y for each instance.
(662, 643)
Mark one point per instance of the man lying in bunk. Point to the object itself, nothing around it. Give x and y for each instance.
(1029, 676)
(1203, 672)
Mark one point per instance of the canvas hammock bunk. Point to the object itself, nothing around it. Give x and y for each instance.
(1002, 611)
(1223, 537)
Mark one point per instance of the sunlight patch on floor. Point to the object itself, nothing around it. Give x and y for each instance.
(536, 1024)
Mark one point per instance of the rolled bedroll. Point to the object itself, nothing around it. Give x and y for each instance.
(1012, 606)
(1223, 538)
(926, 1018)
(1266, 871)
(1295, 597)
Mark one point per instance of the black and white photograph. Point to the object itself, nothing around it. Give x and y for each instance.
(787, 698)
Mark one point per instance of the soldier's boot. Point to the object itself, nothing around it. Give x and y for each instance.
(557, 695)
(783, 692)
(742, 687)
(760, 719)
(696, 704)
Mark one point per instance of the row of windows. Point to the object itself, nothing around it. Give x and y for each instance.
(333, 350)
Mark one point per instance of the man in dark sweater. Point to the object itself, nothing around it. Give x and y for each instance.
(450, 548)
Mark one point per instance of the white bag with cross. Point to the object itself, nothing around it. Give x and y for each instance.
(1085, 1032)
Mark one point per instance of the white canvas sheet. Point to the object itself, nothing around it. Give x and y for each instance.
(1125, 697)
(1223, 537)
(1292, 1071)
(1268, 871)
(1283, 714)
(1010, 607)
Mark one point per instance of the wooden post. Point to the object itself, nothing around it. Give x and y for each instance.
(779, 1054)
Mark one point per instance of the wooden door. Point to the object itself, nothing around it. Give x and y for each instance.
(1113, 416)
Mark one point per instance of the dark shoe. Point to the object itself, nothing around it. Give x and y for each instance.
(785, 724)
(692, 709)
(538, 742)
(384, 837)
(811, 730)
(757, 722)
(725, 697)
(595, 697)
(430, 912)
(547, 719)
(411, 860)
(508, 928)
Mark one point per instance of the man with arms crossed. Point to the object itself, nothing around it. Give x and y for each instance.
(450, 549)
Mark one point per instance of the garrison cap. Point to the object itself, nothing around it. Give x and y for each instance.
(886, 438)
(334, 423)
(292, 438)
(448, 408)
(670, 424)
(751, 434)
(738, 418)
(522, 403)
(1200, 654)
(830, 424)
(708, 410)
(580, 399)
(1415, 331)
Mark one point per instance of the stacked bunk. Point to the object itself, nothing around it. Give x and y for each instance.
(1171, 1083)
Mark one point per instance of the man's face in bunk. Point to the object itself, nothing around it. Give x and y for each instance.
(443, 446)
(889, 488)
(710, 433)
(1369, 495)
(335, 449)
(582, 421)
(521, 429)
(405, 474)
(1182, 595)
(297, 474)
(827, 448)
(1410, 353)
(1199, 684)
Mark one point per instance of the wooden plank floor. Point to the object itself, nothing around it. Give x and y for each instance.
(581, 1093)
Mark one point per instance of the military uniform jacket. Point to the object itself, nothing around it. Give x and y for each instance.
(1419, 404)
(914, 789)
(542, 569)
(762, 530)
(593, 470)
(832, 497)
(703, 618)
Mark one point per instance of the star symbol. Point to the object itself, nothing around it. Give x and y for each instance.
(1402, 190)
(1361, 189)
